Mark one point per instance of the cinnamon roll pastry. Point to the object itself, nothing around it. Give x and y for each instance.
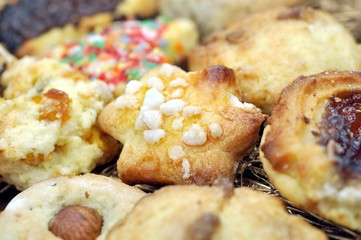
(214, 213)
(68, 207)
(269, 49)
(312, 146)
(181, 128)
(29, 27)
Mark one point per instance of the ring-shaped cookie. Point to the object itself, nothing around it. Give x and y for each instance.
(31, 211)
(311, 148)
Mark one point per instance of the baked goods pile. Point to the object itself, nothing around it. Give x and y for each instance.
(178, 100)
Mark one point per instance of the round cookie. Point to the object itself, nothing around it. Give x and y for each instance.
(29, 27)
(268, 50)
(126, 50)
(32, 212)
(311, 148)
(211, 15)
(181, 128)
(48, 123)
(194, 212)
(345, 11)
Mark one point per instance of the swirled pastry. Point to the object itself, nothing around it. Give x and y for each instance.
(211, 15)
(48, 125)
(311, 148)
(180, 127)
(81, 207)
(29, 27)
(268, 50)
(194, 212)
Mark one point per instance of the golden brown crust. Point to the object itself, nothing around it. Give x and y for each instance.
(300, 159)
(268, 50)
(31, 211)
(193, 212)
(187, 152)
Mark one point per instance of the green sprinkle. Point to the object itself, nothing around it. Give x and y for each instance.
(92, 57)
(148, 23)
(133, 74)
(99, 44)
(64, 60)
(77, 58)
(149, 64)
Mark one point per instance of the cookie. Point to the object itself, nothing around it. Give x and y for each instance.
(81, 207)
(310, 150)
(126, 50)
(216, 14)
(48, 125)
(181, 128)
(194, 212)
(270, 49)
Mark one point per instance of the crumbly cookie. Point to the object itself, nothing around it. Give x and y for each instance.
(32, 74)
(211, 15)
(195, 212)
(30, 27)
(181, 128)
(270, 49)
(310, 150)
(50, 129)
(39, 211)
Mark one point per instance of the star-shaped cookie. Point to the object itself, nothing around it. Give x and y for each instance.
(181, 128)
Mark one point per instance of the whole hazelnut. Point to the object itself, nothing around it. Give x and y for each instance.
(76, 222)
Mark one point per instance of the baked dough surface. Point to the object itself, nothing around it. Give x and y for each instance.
(48, 122)
(311, 163)
(181, 128)
(194, 212)
(270, 49)
(28, 214)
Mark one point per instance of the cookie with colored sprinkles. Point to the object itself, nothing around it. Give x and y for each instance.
(126, 50)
